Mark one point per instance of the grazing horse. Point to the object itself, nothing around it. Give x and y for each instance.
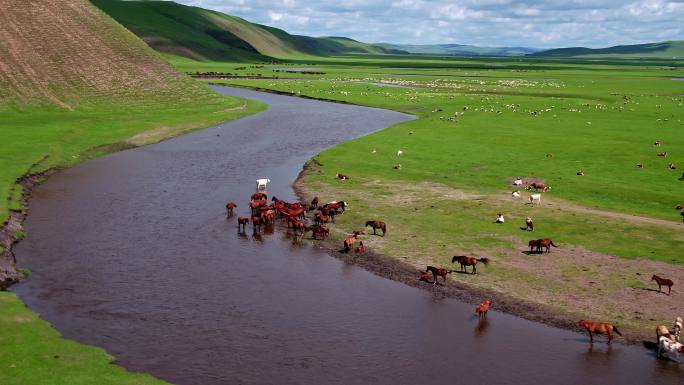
(547, 243)
(599, 328)
(538, 186)
(360, 249)
(377, 225)
(663, 282)
(242, 222)
(466, 261)
(229, 208)
(482, 309)
(259, 196)
(529, 225)
(437, 272)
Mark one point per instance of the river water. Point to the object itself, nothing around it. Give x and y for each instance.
(132, 252)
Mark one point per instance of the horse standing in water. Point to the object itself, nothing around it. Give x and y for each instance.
(599, 328)
(377, 225)
(242, 223)
(229, 208)
(469, 261)
(482, 309)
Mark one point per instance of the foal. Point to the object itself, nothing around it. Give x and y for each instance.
(599, 328)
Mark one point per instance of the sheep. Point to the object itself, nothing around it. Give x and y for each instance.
(397, 166)
(516, 194)
(399, 152)
(535, 198)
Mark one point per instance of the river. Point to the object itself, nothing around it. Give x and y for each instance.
(132, 252)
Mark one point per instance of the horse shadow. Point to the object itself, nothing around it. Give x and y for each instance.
(527, 252)
(655, 290)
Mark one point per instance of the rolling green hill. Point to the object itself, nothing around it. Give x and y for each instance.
(203, 34)
(662, 50)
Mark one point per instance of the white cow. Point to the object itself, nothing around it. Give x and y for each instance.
(535, 199)
(261, 184)
(669, 349)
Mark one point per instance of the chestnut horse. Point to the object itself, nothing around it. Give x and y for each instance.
(437, 272)
(377, 225)
(298, 226)
(482, 309)
(599, 328)
(257, 221)
(546, 242)
(349, 243)
(229, 208)
(469, 261)
(318, 231)
(242, 222)
(663, 282)
(360, 249)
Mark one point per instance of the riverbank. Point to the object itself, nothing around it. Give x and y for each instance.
(557, 289)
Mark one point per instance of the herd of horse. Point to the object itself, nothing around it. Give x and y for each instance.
(297, 217)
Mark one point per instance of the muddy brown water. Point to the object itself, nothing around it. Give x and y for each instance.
(132, 252)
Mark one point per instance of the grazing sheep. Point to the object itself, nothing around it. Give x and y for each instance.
(399, 152)
(657, 143)
(580, 172)
(672, 166)
(663, 154)
(499, 218)
(641, 165)
(529, 225)
(549, 155)
(535, 198)
(516, 194)
(397, 166)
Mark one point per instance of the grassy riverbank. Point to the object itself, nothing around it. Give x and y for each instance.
(483, 123)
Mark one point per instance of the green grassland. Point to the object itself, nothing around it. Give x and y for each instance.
(480, 124)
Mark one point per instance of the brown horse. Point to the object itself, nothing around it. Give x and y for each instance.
(319, 218)
(349, 243)
(465, 261)
(437, 272)
(242, 222)
(545, 243)
(360, 249)
(298, 226)
(377, 225)
(257, 221)
(269, 216)
(317, 231)
(598, 328)
(538, 186)
(663, 282)
(534, 245)
(259, 196)
(425, 276)
(255, 205)
(229, 208)
(482, 309)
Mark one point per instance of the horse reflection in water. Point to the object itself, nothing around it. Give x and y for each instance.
(481, 328)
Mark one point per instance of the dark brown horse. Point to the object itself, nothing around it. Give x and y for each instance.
(317, 231)
(546, 243)
(320, 218)
(229, 208)
(377, 225)
(663, 282)
(242, 223)
(257, 221)
(482, 309)
(360, 249)
(437, 272)
(534, 245)
(465, 261)
(598, 328)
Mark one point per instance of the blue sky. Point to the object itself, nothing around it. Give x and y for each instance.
(543, 24)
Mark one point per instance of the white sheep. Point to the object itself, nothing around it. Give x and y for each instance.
(399, 152)
(535, 198)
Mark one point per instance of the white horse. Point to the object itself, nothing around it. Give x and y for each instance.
(670, 349)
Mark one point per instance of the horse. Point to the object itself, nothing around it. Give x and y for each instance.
(546, 242)
(337, 206)
(320, 218)
(257, 221)
(349, 243)
(425, 276)
(466, 261)
(269, 216)
(298, 226)
(242, 222)
(318, 230)
(663, 282)
(538, 186)
(437, 272)
(314, 202)
(259, 196)
(254, 205)
(377, 225)
(599, 328)
(360, 249)
(529, 225)
(669, 349)
(482, 309)
(662, 331)
(229, 208)
(534, 245)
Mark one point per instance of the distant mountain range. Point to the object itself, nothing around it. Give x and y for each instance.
(459, 50)
(662, 50)
(203, 34)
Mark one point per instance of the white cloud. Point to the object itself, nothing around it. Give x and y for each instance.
(533, 23)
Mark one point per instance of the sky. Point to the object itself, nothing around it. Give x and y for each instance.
(539, 24)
